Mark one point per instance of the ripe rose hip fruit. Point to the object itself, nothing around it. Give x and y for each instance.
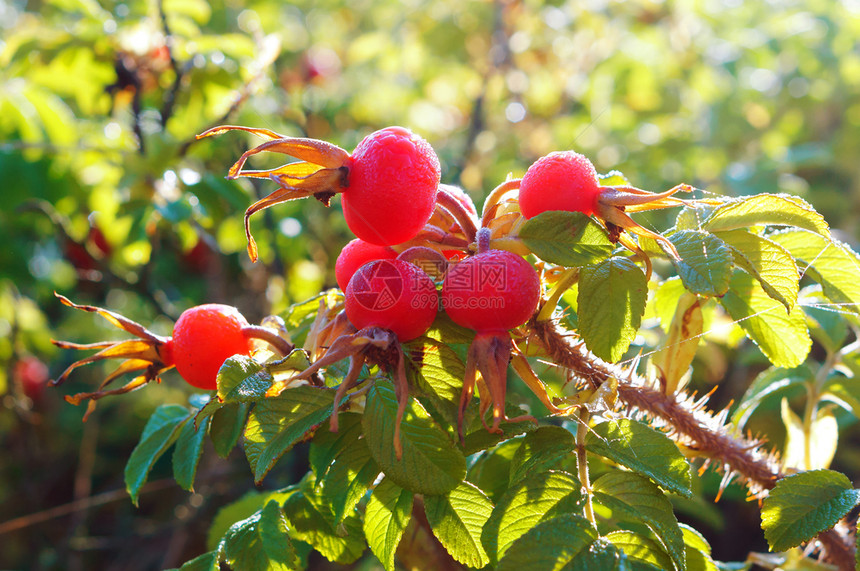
(393, 295)
(203, 338)
(354, 255)
(559, 181)
(392, 182)
(489, 292)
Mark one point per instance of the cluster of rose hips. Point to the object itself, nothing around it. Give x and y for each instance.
(413, 234)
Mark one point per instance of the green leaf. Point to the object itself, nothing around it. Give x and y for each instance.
(438, 371)
(311, 521)
(349, 478)
(240, 380)
(161, 431)
(538, 498)
(784, 339)
(550, 545)
(226, 427)
(276, 424)
(245, 543)
(603, 556)
(803, 505)
(769, 383)
(643, 449)
(492, 469)
(186, 455)
(641, 500)
(641, 549)
(566, 238)
(388, 512)
(327, 445)
(767, 209)
(697, 551)
(431, 463)
(275, 538)
(845, 392)
(457, 520)
(206, 562)
(768, 262)
(829, 262)
(611, 302)
(706, 262)
(540, 451)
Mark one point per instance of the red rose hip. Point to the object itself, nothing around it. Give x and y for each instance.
(559, 181)
(394, 295)
(203, 338)
(493, 291)
(392, 183)
(354, 255)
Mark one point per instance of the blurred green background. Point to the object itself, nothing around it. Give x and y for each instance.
(107, 197)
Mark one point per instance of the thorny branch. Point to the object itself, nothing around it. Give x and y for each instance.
(688, 422)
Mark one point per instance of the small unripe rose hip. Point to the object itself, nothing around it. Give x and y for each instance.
(559, 181)
(491, 292)
(392, 183)
(203, 338)
(394, 295)
(354, 255)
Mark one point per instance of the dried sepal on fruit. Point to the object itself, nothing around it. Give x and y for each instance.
(147, 354)
(388, 183)
(386, 302)
(568, 181)
(203, 337)
(491, 293)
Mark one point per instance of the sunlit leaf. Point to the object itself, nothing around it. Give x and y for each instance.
(805, 504)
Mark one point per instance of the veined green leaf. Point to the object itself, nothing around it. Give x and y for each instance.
(161, 431)
(641, 549)
(186, 454)
(566, 238)
(767, 209)
(226, 427)
(538, 498)
(771, 264)
(260, 542)
(540, 451)
(327, 445)
(611, 302)
(311, 520)
(431, 463)
(697, 550)
(641, 448)
(349, 478)
(784, 339)
(829, 262)
(457, 520)
(277, 423)
(388, 512)
(550, 545)
(803, 505)
(640, 499)
(207, 562)
(769, 383)
(439, 372)
(706, 262)
(275, 538)
(492, 469)
(240, 380)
